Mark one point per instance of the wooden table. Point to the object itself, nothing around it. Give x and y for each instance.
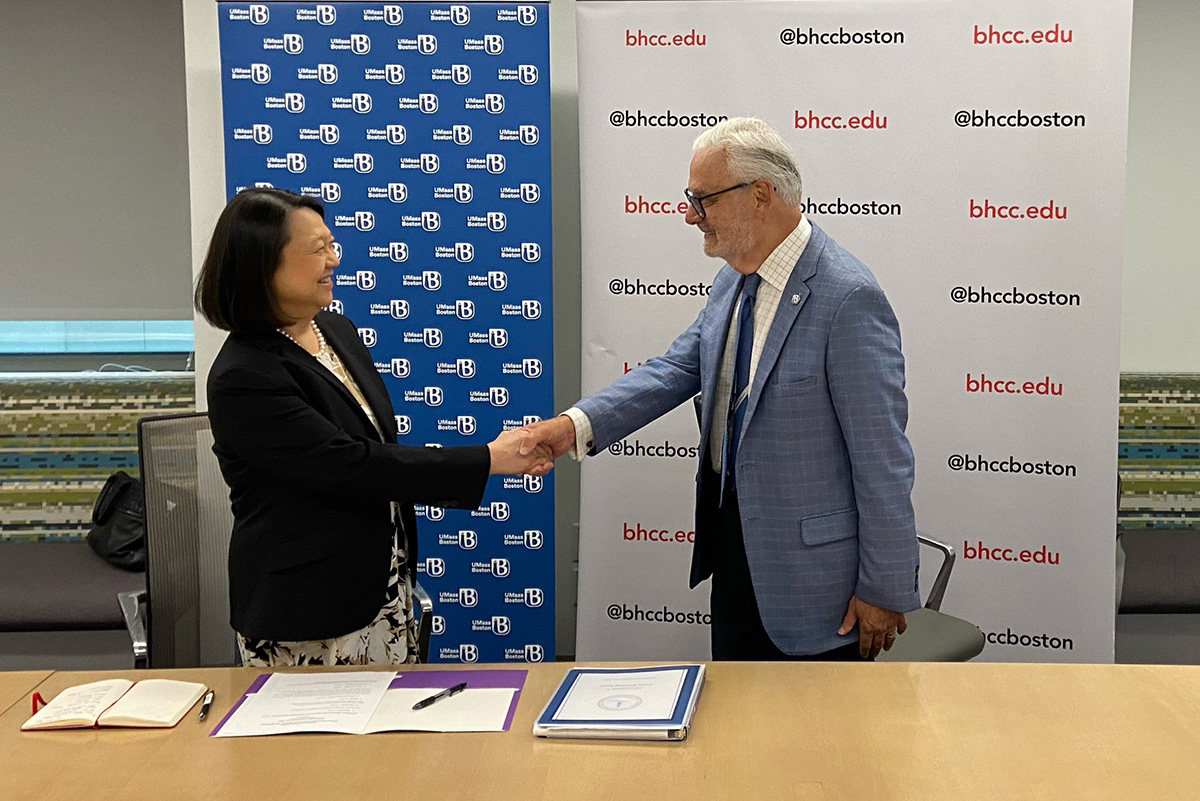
(762, 731)
(16, 686)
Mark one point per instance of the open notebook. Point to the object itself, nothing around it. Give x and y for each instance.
(150, 703)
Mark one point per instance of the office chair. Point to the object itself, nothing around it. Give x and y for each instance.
(932, 635)
(182, 620)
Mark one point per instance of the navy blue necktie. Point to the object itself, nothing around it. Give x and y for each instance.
(741, 377)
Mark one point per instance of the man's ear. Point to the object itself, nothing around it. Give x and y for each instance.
(763, 193)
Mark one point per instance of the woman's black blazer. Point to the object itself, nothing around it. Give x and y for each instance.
(311, 484)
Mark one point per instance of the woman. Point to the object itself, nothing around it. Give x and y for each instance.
(324, 539)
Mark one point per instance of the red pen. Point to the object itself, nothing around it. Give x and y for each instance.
(38, 702)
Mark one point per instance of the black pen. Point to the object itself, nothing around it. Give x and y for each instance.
(206, 705)
(457, 688)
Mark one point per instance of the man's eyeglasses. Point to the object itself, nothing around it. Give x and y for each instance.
(697, 201)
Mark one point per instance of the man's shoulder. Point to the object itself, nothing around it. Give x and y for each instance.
(840, 272)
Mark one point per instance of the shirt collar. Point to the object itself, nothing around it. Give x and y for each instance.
(777, 268)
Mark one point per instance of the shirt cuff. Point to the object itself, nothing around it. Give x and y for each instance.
(583, 434)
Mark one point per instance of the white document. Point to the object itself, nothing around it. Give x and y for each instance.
(310, 702)
(482, 709)
(623, 696)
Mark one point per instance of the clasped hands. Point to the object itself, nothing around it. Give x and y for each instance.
(531, 450)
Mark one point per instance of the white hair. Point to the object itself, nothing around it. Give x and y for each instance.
(754, 150)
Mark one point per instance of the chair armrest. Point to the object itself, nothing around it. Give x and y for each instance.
(133, 608)
(425, 622)
(938, 591)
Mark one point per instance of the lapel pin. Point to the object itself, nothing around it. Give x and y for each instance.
(795, 298)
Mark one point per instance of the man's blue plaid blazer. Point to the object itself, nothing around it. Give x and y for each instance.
(824, 469)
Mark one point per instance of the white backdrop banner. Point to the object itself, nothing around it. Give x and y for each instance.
(972, 155)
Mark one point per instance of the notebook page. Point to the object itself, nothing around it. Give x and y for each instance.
(78, 706)
(154, 702)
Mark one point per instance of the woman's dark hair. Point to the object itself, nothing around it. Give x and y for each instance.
(234, 288)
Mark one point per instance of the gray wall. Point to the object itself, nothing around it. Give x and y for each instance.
(1159, 330)
(95, 202)
(93, 161)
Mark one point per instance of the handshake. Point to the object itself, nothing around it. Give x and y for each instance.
(532, 449)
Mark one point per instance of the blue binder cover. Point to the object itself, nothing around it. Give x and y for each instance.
(551, 723)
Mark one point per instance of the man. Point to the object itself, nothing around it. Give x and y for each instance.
(803, 514)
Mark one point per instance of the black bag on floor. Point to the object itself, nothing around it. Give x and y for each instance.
(118, 530)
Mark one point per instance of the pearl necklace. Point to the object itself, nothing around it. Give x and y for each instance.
(322, 348)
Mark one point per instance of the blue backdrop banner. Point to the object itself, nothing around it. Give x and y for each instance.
(424, 129)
